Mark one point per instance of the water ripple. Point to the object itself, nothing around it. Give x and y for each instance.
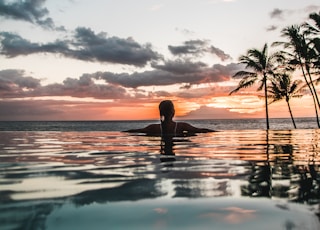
(99, 167)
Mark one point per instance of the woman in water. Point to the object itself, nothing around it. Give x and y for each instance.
(168, 127)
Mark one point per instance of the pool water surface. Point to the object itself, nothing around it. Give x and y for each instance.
(235, 179)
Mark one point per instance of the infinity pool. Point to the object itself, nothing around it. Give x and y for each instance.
(248, 179)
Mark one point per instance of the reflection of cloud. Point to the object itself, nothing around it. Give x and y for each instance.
(133, 190)
(233, 215)
(161, 210)
(238, 215)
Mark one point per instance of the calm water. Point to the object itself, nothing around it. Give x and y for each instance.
(217, 124)
(244, 179)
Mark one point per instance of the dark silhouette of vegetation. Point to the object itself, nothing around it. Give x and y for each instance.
(261, 66)
(301, 54)
(301, 51)
(283, 87)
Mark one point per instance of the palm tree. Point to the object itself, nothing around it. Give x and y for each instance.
(313, 32)
(313, 29)
(301, 55)
(282, 87)
(261, 66)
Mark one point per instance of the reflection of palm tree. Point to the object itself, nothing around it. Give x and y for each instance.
(262, 65)
(282, 87)
(133, 190)
(260, 180)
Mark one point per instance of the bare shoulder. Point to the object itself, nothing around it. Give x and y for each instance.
(185, 125)
(150, 129)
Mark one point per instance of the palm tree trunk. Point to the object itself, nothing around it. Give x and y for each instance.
(294, 124)
(312, 93)
(312, 86)
(266, 101)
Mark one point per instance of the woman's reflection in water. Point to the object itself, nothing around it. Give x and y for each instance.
(167, 148)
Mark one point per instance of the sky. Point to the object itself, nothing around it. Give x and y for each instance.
(116, 60)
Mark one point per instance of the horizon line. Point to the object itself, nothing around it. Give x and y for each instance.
(179, 119)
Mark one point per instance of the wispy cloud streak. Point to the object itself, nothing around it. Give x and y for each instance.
(198, 48)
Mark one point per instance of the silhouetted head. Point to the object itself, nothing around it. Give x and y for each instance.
(166, 109)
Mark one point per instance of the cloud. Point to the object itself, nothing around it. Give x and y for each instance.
(81, 88)
(14, 82)
(180, 66)
(111, 49)
(84, 45)
(280, 14)
(205, 92)
(198, 48)
(205, 112)
(53, 110)
(272, 28)
(190, 93)
(28, 110)
(194, 47)
(185, 31)
(31, 11)
(312, 8)
(13, 45)
(277, 13)
(219, 53)
(171, 72)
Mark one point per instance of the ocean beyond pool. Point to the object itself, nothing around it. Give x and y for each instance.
(90, 175)
(216, 124)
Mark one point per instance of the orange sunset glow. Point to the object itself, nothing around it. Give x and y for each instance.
(223, 107)
(84, 61)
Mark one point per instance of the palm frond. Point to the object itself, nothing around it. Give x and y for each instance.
(261, 86)
(243, 73)
(313, 29)
(244, 83)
